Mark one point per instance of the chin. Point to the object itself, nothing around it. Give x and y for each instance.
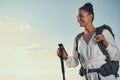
(81, 25)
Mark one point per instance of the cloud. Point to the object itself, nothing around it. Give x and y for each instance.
(16, 33)
(31, 47)
(25, 27)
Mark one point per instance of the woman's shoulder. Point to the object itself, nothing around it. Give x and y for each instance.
(105, 29)
(79, 35)
(107, 33)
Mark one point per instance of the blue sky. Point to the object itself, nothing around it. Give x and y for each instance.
(56, 20)
(37, 26)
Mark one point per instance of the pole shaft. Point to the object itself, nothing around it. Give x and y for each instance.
(62, 67)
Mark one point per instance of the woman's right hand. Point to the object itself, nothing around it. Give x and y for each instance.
(62, 53)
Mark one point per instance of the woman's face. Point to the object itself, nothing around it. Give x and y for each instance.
(84, 18)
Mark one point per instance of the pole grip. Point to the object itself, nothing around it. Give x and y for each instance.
(62, 61)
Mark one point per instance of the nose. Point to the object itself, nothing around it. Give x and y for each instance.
(78, 19)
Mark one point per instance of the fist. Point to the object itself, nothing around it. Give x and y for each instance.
(62, 53)
(101, 37)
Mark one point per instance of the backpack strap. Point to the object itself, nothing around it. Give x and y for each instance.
(99, 30)
(79, 57)
(77, 39)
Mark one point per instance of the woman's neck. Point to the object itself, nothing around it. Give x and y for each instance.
(90, 28)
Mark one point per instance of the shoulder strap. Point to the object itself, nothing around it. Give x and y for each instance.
(99, 30)
(76, 40)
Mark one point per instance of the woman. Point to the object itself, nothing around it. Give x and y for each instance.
(90, 53)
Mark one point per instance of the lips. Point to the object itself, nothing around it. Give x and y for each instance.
(81, 22)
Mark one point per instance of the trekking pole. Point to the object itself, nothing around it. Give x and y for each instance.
(62, 62)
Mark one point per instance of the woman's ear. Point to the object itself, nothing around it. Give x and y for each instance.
(91, 17)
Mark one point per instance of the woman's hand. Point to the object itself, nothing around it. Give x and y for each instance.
(62, 53)
(101, 37)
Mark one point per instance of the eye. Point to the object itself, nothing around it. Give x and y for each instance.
(80, 15)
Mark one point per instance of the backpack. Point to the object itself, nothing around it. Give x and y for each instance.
(111, 67)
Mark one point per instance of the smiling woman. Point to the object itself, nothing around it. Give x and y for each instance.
(31, 29)
(93, 48)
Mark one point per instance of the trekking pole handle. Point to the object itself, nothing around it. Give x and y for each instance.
(60, 46)
(62, 61)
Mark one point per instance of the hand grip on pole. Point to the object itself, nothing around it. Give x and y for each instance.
(61, 59)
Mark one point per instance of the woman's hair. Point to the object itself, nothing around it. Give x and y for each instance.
(89, 8)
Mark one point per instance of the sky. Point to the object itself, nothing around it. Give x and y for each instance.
(30, 31)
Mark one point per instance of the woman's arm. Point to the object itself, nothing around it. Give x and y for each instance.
(72, 61)
(111, 48)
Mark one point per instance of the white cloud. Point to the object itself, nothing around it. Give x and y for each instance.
(25, 27)
(13, 35)
(31, 47)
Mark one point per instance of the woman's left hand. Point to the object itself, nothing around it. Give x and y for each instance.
(101, 37)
